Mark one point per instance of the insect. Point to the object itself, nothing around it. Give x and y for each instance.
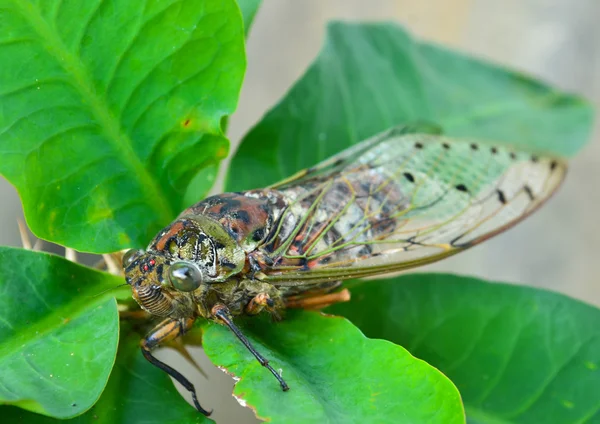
(395, 201)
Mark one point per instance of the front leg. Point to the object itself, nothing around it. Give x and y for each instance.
(258, 303)
(222, 314)
(168, 330)
(263, 297)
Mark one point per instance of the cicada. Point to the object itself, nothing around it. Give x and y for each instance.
(396, 201)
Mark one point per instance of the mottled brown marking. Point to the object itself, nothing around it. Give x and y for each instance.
(172, 231)
(241, 214)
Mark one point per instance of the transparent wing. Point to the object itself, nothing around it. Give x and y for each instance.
(399, 201)
(345, 159)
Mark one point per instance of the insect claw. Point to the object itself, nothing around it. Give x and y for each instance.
(198, 407)
(284, 385)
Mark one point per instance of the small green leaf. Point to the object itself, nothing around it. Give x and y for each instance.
(370, 77)
(109, 109)
(517, 354)
(335, 374)
(58, 332)
(137, 392)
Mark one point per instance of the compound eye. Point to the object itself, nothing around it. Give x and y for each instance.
(185, 276)
(130, 256)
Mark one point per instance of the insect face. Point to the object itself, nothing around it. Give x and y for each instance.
(152, 284)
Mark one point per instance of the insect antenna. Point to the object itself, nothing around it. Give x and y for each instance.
(109, 289)
(221, 312)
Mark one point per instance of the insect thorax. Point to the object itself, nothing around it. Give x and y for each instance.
(204, 242)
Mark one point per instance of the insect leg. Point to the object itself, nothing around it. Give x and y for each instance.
(168, 330)
(318, 302)
(258, 303)
(222, 313)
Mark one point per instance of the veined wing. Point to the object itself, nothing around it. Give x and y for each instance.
(346, 158)
(399, 201)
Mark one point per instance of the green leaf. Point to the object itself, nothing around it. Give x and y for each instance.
(335, 374)
(109, 109)
(248, 9)
(136, 392)
(517, 354)
(370, 77)
(58, 332)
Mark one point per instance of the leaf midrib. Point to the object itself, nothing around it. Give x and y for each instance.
(109, 125)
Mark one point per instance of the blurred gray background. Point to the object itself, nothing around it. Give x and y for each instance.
(555, 40)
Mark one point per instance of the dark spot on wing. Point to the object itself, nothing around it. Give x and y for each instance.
(529, 192)
(409, 177)
(446, 146)
(534, 159)
(418, 145)
(494, 150)
(501, 196)
(474, 146)
(513, 155)
(553, 165)
(462, 187)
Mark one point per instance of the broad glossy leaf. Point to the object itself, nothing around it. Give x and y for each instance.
(370, 77)
(517, 354)
(108, 109)
(58, 332)
(136, 392)
(335, 374)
